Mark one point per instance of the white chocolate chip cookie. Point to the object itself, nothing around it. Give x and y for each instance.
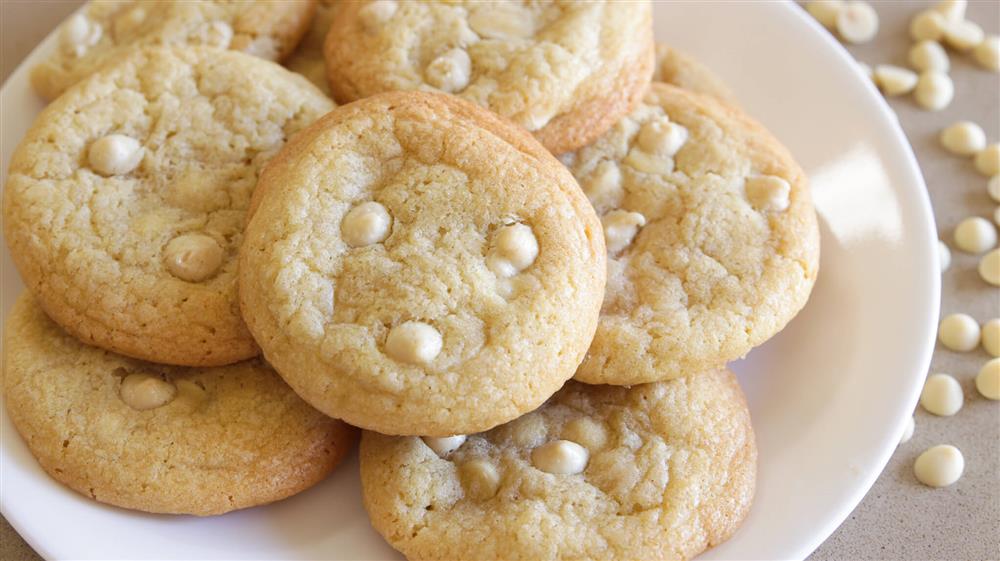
(104, 30)
(566, 71)
(158, 438)
(656, 471)
(467, 299)
(712, 239)
(308, 57)
(125, 203)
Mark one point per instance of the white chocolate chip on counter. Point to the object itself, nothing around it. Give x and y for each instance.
(959, 332)
(604, 186)
(79, 33)
(944, 256)
(620, 228)
(376, 13)
(987, 53)
(963, 35)
(895, 80)
(975, 235)
(768, 192)
(991, 336)
(114, 154)
(143, 392)
(513, 250)
(660, 137)
(987, 160)
(857, 22)
(366, 224)
(193, 257)
(952, 10)
(825, 11)
(993, 188)
(988, 380)
(934, 90)
(444, 445)
(989, 267)
(450, 72)
(480, 479)
(942, 395)
(560, 457)
(907, 430)
(929, 55)
(939, 466)
(928, 25)
(964, 138)
(413, 342)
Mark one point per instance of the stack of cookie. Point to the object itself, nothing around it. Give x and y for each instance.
(515, 261)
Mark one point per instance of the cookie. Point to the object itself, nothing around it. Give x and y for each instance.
(564, 71)
(414, 264)
(682, 70)
(158, 438)
(656, 471)
(269, 29)
(308, 57)
(712, 238)
(125, 203)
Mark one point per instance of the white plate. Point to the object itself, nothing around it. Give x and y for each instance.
(829, 396)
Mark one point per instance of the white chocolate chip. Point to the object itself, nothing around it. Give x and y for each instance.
(502, 21)
(964, 138)
(939, 466)
(660, 137)
(143, 392)
(944, 256)
(825, 11)
(114, 154)
(907, 430)
(620, 228)
(645, 162)
(219, 34)
(991, 336)
(987, 53)
(928, 25)
(857, 22)
(413, 342)
(78, 34)
(993, 188)
(768, 192)
(604, 186)
(895, 80)
(450, 72)
(366, 224)
(929, 55)
(987, 160)
(480, 479)
(988, 380)
(591, 434)
(560, 457)
(193, 257)
(513, 250)
(952, 10)
(959, 332)
(963, 35)
(989, 267)
(444, 445)
(975, 235)
(934, 90)
(942, 395)
(375, 14)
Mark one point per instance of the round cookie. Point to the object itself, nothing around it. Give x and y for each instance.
(656, 471)
(269, 29)
(564, 71)
(125, 203)
(416, 265)
(680, 69)
(308, 57)
(159, 438)
(712, 238)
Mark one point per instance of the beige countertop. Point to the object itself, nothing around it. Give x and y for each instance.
(899, 518)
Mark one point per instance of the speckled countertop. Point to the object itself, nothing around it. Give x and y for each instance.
(899, 518)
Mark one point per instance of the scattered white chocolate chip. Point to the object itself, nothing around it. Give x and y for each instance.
(143, 392)
(620, 228)
(944, 256)
(991, 336)
(366, 224)
(988, 379)
(480, 479)
(560, 457)
(934, 90)
(963, 35)
(768, 192)
(114, 154)
(603, 186)
(825, 11)
(987, 53)
(895, 80)
(193, 257)
(959, 332)
(952, 10)
(376, 13)
(989, 267)
(444, 445)
(513, 250)
(413, 342)
(505, 21)
(662, 138)
(450, 72)
(928, 25)
(939, 466)
(975, 235)
(645, 162)
(79, 33)
(942, 395)
(857, 22)
(964, 138)
(993, 188)
(907, 430)
(929, 55)
(987, 160)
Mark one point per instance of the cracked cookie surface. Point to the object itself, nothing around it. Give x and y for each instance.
(125, 204)
(415, 265)
(158, 438)
(668, 470)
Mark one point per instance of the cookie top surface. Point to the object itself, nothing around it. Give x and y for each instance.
(158, 438)
(308, 56)
(104, 30)
(656, 471)
(712, 238)
(565, 71)
(416, 265)
(684, 71)
(125, 203)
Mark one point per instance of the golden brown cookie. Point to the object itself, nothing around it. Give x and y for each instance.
(684, 71)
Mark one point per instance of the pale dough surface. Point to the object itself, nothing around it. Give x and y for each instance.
(684, 71)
